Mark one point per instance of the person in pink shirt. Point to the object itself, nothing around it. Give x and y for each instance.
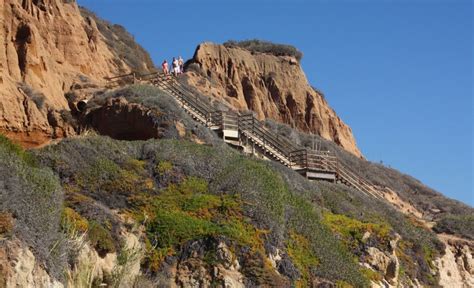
(164, 65)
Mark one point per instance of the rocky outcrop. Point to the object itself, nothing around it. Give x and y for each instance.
(192, 270)
(19, 268)
(456, 267)
(216, 263)
(274, 87)
(45, 47)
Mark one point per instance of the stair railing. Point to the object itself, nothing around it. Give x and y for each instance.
(356, 181)
(292, 155)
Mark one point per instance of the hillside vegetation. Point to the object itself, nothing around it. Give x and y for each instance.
(450, 215)
(30, 206)
(182, 195)
(261, 46)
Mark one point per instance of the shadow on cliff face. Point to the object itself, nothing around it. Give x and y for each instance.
(23, 38)
(121, 120)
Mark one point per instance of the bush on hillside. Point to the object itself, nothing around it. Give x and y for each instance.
(462, 225)
(266, 47)
(37, 97)
(33, 196)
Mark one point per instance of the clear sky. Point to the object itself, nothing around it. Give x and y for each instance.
(398, 72)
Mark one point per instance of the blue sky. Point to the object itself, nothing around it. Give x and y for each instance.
(398, 72)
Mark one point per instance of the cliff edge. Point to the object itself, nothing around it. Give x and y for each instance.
(273, 86)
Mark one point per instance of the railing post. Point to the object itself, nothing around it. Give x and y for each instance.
(307, 167)
(253, 124)
(238, 124)
(223, 125)
(290, 160)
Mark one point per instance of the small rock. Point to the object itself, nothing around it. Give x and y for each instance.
(366, 236)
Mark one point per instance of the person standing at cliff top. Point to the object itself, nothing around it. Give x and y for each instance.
(181, 64)
(175, 64)
(164, 65)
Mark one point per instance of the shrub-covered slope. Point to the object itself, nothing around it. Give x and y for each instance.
(200, 213)
(30, 206)
(181, 192)
(451, 216)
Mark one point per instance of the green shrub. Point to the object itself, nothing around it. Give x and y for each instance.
(353, 230)
(261, 46)
(100, 239)
(37, 97)
(257, 184)
(462, 225)
(107, 181)
(416, 259)
(72, 222)
(343, 284)
(372, 275)
(299, 250)
(9, 146)
(164, 166)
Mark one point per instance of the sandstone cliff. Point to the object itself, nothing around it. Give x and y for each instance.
(457, 264)
(45, 47)
(274, 87)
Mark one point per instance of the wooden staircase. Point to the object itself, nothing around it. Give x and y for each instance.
(250, 134)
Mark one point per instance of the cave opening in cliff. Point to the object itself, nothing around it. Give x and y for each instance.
(124, 122)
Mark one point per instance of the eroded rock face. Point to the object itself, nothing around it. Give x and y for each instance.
(48, 46)
(456, 267)
(384, 262)
(191, 270)
(273, 87)
(19, 268)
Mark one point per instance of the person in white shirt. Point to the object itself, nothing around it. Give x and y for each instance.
(181, 64)
(175, 64)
